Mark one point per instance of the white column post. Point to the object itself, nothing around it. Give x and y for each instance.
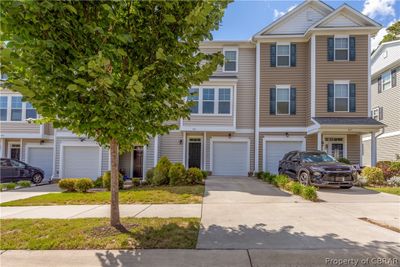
(369, 76)
(155, 160)
(373, 149)
(205, 151)
(319, 141)
(257, 119)
(313, 76)
(184, 149)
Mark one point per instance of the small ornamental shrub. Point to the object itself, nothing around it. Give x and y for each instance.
(177, 174)
(389, 168)
(144, 183)
(98, 183)
(260, 175)
(269, 178)
(344, 160)
(24, 183)
(10, 186)
(136, 182)
(194, 176)
(83, 184)
(67, 184)
(107, 181)
(394, 181)
(289, 186)
(395, 168)
(281, 180)
(374, 175)
(161, 171)
(297, 188)
(150, 175)
(2, 186)
(309, 193)
(205, 174)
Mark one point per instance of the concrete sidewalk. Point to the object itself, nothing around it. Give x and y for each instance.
(98, 211)
(181, 258)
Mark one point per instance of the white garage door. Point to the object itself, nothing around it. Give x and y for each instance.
(41, 157)
(81, 161)
(275, 150)
(230, 158)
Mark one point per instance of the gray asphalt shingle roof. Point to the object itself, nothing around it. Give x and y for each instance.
(348, 121)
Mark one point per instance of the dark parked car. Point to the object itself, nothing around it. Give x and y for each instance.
(12, 170)
(317, 168)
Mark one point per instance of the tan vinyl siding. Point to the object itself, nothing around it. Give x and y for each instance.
(19, 128)
(366, 155)
(389, 100)
(308, 86)
(209, 121)
(311, 142)
(48, 129)
(353, 148)
(388, 148)
(354, 71)
(294, 76)
(171, 147)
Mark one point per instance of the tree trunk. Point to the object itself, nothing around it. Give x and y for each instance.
(114, 219)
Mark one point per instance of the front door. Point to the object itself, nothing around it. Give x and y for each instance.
(194, 159)
(15, 151)
(138, 161)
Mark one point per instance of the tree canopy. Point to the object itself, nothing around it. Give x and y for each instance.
(393, 33)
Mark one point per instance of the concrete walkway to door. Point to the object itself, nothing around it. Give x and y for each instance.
(245, 213)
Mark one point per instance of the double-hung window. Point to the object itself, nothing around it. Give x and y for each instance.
(282, 101)
(341, 97)
(341, 48)
(224, 100)
(208, 100)
(231, 60)
(30, 111)
(283, 55)
(3, 108)
(194, 98)
(386, 80)
(16, 108)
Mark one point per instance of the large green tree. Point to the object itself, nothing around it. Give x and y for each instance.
(393, 33)
(115, 71)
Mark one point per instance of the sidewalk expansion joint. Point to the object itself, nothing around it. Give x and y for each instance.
(142, 210)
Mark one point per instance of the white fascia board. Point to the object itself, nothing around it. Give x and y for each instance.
(208, 128)
(23, 135)
(282, 129)
(391, 134)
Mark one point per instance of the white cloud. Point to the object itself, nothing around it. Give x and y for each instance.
(278, 14)
(379, 36)
(374, 8)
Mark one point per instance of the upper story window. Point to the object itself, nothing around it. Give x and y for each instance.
(231, 60)
(341, 48)
(386, 80)
(30, 111)
(16, 108)
(282, 101)
(283, 55)
(13, 109)
(211, 101)
(3, 108)
(341, 97)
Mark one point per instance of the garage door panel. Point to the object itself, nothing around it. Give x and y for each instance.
(275, 150)
(41, 157)
(230, 158)
(81, 162)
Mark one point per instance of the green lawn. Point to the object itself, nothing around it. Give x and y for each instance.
(95, 233)
(389, 190)
(147, 195)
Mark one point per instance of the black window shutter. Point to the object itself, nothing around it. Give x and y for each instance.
(293, 55)
(331, 48)
(272, 101)
(380, 84)
(394, 78)
(380, 113)
(331, 95)
(352, 99)
(352, 46)
(292, 101)
(273, 55)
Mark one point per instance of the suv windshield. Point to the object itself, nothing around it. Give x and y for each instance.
(318, 157)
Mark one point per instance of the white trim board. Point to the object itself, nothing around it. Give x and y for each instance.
(283, 129)
(391, 134)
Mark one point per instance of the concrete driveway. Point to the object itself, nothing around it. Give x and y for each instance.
(244, 213)
(28, 192)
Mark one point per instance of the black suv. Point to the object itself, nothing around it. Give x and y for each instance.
(317, 168)
(12, 170)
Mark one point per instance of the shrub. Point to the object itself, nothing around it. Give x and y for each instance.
(144, 183)
(374, 175)
(344, 160)
(260, 175)
(136, 182)
(269, 178)
(394, 181)
(98, 183)
(281, 180)
(385, 166)
(395, 168)
(297, 188)
(289, 186)
(194, 176)
(67, 184)
(205, 174)
(161, 171)
(83, 184)
(361, 181)
(250, 174)
(2, 186)
(10, 186)
(24, 183)
(150, 175)
(177, 174)
(107, 181)
(309, 193)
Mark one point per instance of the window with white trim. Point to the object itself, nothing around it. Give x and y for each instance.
(16, 108)
(224, 101)
(283, 55)
(194, 98)
(282, 101)
(30, 111)
(386, 80)
(375, 113)
(13, 109)
(208, 100)
(3, 108)
(341, 48)
(341, 97)
(231, 60)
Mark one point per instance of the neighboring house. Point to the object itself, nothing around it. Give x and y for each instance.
(301, 83)
(385, 104)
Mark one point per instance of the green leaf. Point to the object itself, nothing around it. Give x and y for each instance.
(71, 9)
(160, 54)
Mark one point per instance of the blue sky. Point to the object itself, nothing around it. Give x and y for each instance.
(243, 18)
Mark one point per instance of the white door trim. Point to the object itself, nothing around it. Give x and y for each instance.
(274, 138)
(187, 150)
(9, 149)
(229, 140)
(330, 142)
(80, 144)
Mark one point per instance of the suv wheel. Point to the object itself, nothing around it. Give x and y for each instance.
(37, 178)
(304, 178)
